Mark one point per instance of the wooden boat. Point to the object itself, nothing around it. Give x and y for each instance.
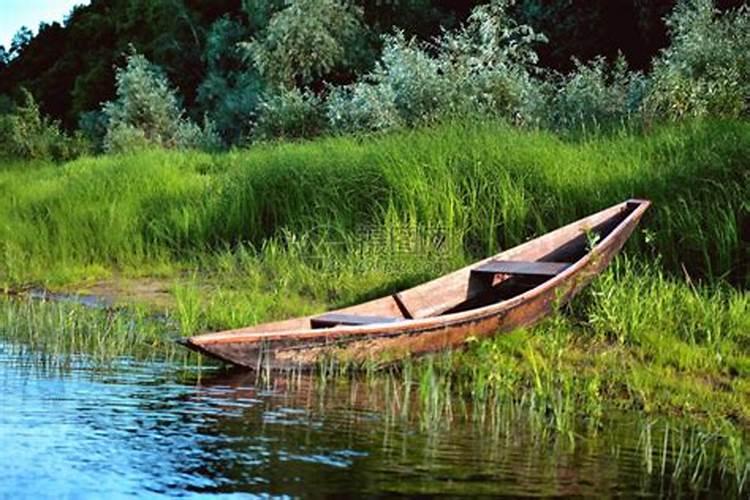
(514, 288)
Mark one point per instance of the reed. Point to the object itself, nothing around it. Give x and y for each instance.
(678, 455)
(604, 355)
(56, 334)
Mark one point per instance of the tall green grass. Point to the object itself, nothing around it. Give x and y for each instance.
(55, 334)
(480, 186)
(672, 449)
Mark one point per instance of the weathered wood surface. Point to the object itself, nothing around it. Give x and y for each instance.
(522, 268)
(294, 343)
(335, 319)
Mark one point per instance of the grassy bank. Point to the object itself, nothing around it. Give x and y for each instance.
(635, 341)
(479, 186)
(280, 230)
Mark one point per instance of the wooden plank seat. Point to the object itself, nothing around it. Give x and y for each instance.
(336, 319)
(521, 268)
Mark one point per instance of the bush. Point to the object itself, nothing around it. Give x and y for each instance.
(706, 70)
(362, 108)
(596, 96)
(485, 67)
(306, 40)
(489, 67)
(27, 134)
(420, 90)
(230, 92)
(147, 112)
(124, 138)
(491, 63)
(127, 138)
(290, 113)
(93, 126)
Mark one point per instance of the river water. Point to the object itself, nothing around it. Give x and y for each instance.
(147, 429)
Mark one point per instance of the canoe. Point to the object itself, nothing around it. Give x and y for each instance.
(515, 288)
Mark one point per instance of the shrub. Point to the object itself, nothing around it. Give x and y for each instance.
(706, 69)
(93, 126)
(362, 108)
(206, 137)
(27, 134)
(596, 96)
(230, 92)
(147, 112)
(420, 90)
(306, 40)
(290, 113)
(491, 62)
(125, 138)
(486, 67)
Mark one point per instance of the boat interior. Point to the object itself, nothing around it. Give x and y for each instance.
(499, 278)
(493, 280)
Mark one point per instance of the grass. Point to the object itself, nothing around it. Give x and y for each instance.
(483, 186)
(289, 229)
(685, 353)
(673, 450)
(55, 333)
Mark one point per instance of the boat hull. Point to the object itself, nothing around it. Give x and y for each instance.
(279, 347)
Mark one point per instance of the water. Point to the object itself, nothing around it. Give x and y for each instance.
(142, 429)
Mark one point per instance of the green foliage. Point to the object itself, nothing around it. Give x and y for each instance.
(362, 108)
(420, 92)
(69, 66)
(692, 316)
(465, 59)
(485, 67)
(260, 12)
(595, 96)
(147, 112)
(62, 329)
(27, 134)
(93, 126)
(277, 231)
(706, 70)
(685, 353)
(126, 138)
(291, 114)
(488, 67)
(492, 61)
(230, 92)
(306, 40)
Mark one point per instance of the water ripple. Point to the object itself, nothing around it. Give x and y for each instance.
(140, 429)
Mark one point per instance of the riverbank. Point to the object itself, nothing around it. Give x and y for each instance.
(194, 242)
(474, 186)
(679, 367)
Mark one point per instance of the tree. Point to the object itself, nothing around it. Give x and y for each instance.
(230, 92)
(21, 39)
(26, 133)
(147, 111)
(306, 40)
